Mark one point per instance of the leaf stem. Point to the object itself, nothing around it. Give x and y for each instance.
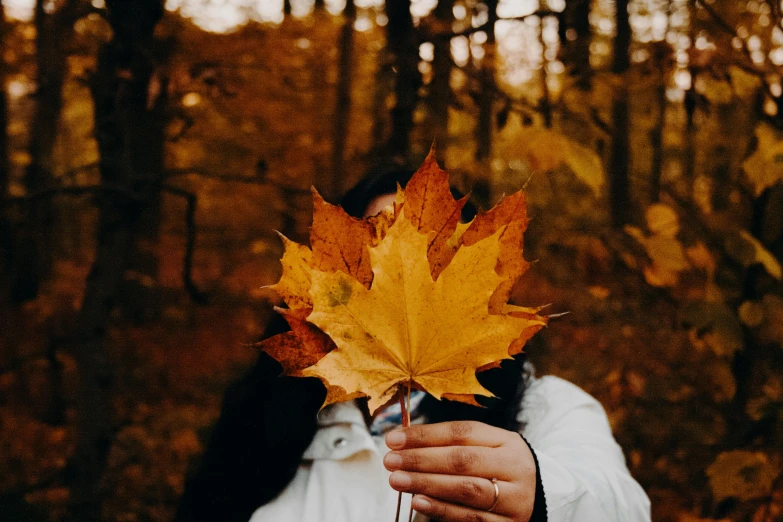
(407, 422)
(403, 414)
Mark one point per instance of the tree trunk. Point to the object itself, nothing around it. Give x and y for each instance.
(622, 41)
(619, 186)
(484, 126)
(140, 293)
(122, 101)
(656, 141)
(690, 103)
(545, 104)
(383, 85)
(440, 88)
(575, 37)
(342, 113)
(53, 34)
(404, 46)
(661, 61)
(5, 230)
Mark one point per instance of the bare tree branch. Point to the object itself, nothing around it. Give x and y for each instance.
(190, 218)
(190, 221)
(76, 191)
(234, 178)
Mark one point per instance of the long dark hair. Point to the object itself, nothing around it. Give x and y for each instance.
(268, 420)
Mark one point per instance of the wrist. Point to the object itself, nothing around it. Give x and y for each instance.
(539, 503)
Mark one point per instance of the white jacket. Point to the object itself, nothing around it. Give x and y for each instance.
(583, 472)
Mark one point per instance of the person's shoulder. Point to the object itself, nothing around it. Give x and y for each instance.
(550, 400)
(552, 388)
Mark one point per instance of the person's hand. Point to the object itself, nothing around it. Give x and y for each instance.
(449, 467)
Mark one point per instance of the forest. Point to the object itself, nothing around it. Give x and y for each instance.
(150, 151)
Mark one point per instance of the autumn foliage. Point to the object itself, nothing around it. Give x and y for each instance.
(408, 296)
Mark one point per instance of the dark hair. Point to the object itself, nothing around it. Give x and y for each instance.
(268, 420)
(381, 181)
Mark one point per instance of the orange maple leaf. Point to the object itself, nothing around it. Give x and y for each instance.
(409, 296)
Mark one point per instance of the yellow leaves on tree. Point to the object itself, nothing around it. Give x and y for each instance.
(742, 474)
(408, 297)
(667, 255)
(546, 150)
(764, 168)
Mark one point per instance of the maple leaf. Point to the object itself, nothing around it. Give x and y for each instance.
(432, 210)
(409, 327)
(294, 284)
(339, 242)
(510, 215)
(288, 348)
(302, 347)
(409, 296)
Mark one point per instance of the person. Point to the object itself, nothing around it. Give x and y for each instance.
(542, 450)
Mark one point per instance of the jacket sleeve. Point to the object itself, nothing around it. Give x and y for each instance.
(582, 468)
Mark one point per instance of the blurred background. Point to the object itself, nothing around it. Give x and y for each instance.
(149, 150)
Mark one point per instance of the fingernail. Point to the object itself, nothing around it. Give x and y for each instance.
(395, 438)
(401, 480)
(421, 504)
(393, 461)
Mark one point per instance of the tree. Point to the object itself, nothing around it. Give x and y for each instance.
(4, 174)
(342, 113)
(487, 95)
(140, 292)
(575, 37)
(661, 59)
(122, 98)
(619, 188)
(440, 89)
(403, 44)
(54, 33)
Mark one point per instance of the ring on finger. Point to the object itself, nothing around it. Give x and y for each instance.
(497, 495)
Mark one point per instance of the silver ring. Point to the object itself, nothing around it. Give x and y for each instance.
(497, 495)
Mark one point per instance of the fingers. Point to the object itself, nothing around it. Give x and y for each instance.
(447, 512)
(472, 461)
(457, 433)
(473, 492)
